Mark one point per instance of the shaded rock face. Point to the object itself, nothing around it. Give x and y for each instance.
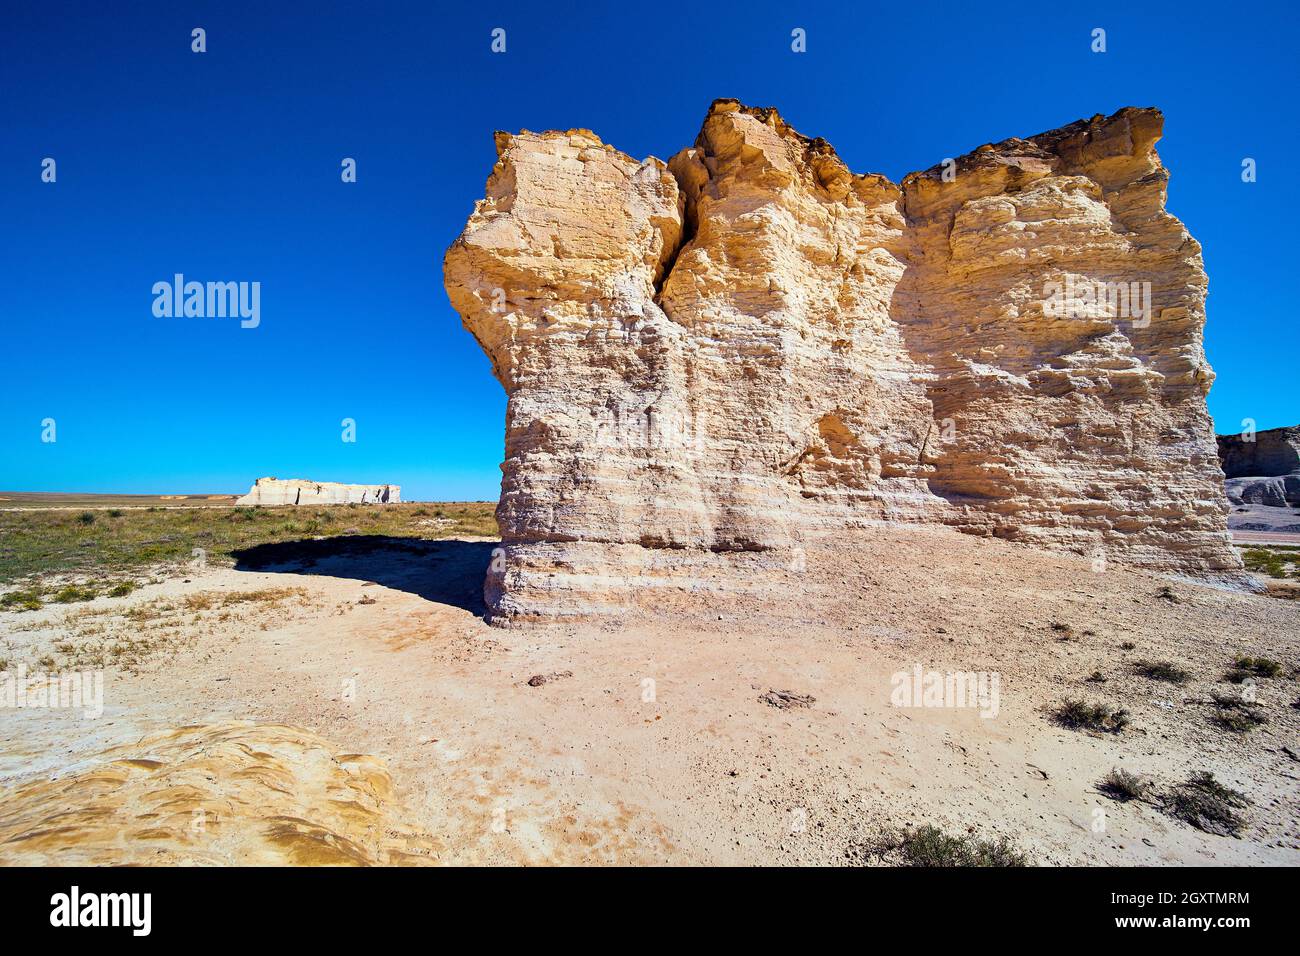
(301, 491)
(716, 362)
(1266, 454)
(1262, 468)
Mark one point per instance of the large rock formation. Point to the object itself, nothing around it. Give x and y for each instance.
(713, 362)
(1262, 468)
(301, 491)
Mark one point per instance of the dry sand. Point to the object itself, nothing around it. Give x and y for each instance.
(373, 717)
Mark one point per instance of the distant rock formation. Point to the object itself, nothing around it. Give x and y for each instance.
(1262, 468)
(300, 491)
(711, 362)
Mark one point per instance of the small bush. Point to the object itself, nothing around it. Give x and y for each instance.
(1161, 670)
(1124, 786)
(122, 589)
(1253, 667)
(1240, 721)
(1127, 646)
(929, 846)
(72, 593)
(1081, 715)
(115, 512)
(28, 600)
(1207, 805)
(1238, 715)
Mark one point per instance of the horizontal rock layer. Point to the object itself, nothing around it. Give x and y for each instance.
(712, 362)
(301, 491)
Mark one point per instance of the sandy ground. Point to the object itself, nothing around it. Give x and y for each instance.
(1264, 523)
(1266, 537)
(373, 717)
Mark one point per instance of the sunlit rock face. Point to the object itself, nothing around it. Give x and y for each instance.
(303, 491)
(716, 363)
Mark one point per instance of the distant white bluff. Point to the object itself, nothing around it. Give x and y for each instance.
(300, 491)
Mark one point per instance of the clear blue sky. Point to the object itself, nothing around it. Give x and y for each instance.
(225, 166)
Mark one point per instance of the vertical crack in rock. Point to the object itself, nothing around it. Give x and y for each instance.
(715, 362)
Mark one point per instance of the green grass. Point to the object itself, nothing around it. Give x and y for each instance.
(42, 541)
(1276, 561)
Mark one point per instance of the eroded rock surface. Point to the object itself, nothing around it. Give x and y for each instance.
(714, 363)
(224, 794)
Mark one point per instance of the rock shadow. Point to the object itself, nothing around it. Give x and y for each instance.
(445, 571)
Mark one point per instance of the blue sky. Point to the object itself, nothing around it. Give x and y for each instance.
(225, 166)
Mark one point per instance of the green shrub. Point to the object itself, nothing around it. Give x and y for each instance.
(27, 600)
(72, 593)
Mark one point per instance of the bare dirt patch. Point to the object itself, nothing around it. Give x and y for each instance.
(659, 748)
